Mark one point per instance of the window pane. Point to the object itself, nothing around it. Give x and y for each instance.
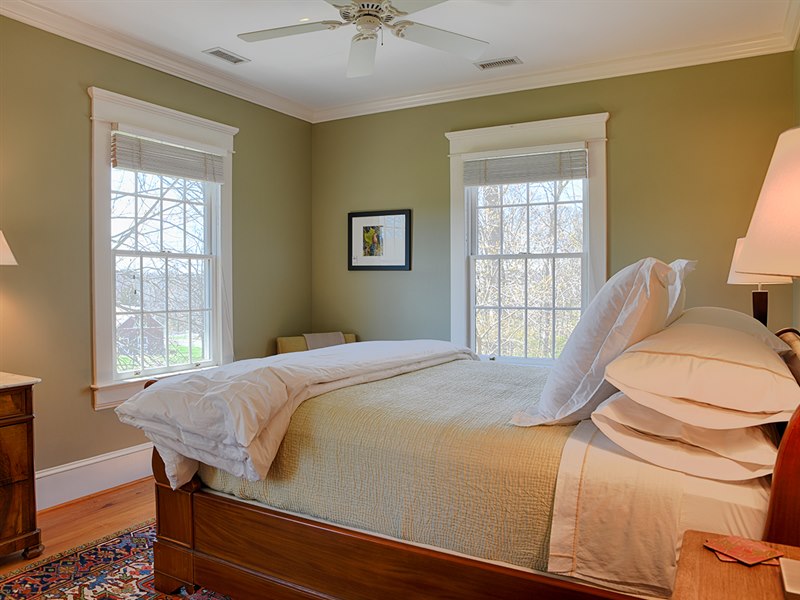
(486, 331)
(570, 228)
(154, 284)
(123, 215)
(172, 188)
(516, 193)
(178, 289)
(512, 282)
(515, 230)
(488, 195)
(540, 283)
(573, 191)
(178, 343)
(128, 337)
(201, 328)
(149, 225)
(129, 293)
(540, 193)
(512, 333)
(540, 334)
(201, 269)
(196, 229)
(195, 191)
(486, 279)
(566, 320)
(154, 340)
(123, 180)
(174, 226)
(489, 230)
(542, 229)
(148, 185)
(568, 282)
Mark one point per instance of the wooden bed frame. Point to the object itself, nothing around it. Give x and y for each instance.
(250, 551)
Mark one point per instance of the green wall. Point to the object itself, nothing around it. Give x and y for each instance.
(45, 204)
(687, 153)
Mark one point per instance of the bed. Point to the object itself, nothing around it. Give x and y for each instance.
(207, 538)
(425, 473)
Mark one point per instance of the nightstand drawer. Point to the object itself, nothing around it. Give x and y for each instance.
(12, 403)
(14, 463)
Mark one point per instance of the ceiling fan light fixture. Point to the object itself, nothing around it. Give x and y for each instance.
(370, 18)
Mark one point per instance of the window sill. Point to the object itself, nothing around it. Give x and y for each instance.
(111, 395)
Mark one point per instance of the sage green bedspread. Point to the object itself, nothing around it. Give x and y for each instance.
(428, 457)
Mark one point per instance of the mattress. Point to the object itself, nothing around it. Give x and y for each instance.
(426, 457)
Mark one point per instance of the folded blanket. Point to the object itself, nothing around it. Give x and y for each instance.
(235, 417)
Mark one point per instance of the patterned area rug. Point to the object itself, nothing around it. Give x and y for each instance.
(117, 567)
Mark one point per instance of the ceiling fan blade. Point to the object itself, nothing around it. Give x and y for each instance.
(440, 39)
(362, 55)
(410, 6)
(268, 34)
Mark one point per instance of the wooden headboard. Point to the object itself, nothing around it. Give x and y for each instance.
(783, 518)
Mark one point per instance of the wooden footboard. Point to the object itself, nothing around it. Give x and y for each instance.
(249, 551)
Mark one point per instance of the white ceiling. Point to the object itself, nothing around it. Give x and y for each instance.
(559, 41)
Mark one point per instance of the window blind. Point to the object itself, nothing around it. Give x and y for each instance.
(141, 154)
(549, 166)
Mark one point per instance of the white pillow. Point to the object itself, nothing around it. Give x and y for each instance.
(713, 365)
(704, 415)
(677, 289)
(744, 444)
(682, 447)
(630, 306)
(733, 319)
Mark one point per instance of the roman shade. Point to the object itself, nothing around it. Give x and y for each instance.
(142, 154)
(548, 166)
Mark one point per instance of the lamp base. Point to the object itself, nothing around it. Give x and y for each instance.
(760, 306)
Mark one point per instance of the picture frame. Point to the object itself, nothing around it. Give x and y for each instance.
(379, 240)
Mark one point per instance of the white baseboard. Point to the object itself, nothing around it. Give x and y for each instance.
(91, 475)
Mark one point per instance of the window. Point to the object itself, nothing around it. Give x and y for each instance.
(161, 244)
(528, 234)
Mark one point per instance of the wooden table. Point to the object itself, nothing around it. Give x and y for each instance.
(702, 576)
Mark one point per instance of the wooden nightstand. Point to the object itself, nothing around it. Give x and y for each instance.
(17, 492)
(702, 576)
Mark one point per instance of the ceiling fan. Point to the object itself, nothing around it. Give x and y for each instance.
(370, 18)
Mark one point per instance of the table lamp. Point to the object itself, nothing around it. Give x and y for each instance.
(772, 243)
(760, 298)
(6, 256)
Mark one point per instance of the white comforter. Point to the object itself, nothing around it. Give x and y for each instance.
(235, 417)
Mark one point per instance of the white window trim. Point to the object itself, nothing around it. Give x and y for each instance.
(110, 111)
(521, 138)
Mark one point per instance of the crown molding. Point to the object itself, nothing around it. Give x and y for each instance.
(782, 42)
(128, 48)
(147, 55)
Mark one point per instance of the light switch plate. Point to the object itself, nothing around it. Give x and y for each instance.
(790, 574)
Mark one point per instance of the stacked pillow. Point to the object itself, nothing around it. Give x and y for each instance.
(636, 302)
(693, 396)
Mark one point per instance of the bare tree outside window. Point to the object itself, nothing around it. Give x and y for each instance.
(162, 251)
(527, 266)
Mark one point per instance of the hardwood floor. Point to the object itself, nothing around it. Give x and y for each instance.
(87, 519)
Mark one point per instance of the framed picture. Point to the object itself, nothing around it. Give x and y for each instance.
(379, 240)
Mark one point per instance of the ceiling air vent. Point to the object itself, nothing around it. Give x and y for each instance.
(226, 55)
(497, 63)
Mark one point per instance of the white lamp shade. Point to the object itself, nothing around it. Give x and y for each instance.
(6, 256)
(772, 244)
(737, 278)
